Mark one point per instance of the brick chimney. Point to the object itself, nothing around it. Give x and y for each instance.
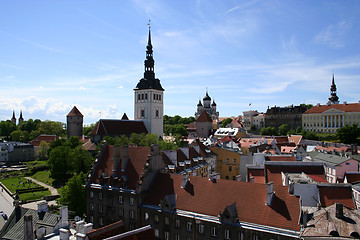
(124, 156)
(64, 215)
(185, 180)
(64, 234)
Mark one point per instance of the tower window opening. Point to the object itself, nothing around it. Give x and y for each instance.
(142, 113)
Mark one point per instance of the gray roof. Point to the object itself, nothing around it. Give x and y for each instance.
(331, 159)
(14, 227)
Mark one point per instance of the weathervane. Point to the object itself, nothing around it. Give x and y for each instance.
(149, 24)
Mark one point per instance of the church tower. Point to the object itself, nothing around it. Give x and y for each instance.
(333, 99)
(149, 98)
(21, 119)
(13, 119)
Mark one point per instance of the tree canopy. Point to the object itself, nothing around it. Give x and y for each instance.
(348, 133)
(73, 194)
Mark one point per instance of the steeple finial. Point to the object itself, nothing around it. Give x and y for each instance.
(149, 39)
(333, 99)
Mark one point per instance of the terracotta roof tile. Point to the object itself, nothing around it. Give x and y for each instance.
(280, 158)
(334, 193)
(351, 107)
(106, 231)
(112, 127)
(205, 197)
(75, 113)
(46, 138)
(204, 117)
(352, 177)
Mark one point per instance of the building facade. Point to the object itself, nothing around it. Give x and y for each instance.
(253, 118)
(149, 96)
(329, 118)
(207, 106)
(228, 163)
(290, 115)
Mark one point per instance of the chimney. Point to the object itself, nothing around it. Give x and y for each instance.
(64, 234)
(185, 180)
(124, 156)
(28, 228)
(64, 215)
(339, 210)
(354, 149)
(43, 207)
(80, 227)
(269, 193)
(116, 157)
(88, 227)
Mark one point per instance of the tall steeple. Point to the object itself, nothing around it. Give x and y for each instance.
(21, 119)
(149, 61)
(13, 119)
(333, 99)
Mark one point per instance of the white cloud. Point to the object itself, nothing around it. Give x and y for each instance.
(334, 34)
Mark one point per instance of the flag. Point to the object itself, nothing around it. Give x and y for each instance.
(249, 104)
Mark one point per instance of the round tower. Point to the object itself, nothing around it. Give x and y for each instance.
(74, 123)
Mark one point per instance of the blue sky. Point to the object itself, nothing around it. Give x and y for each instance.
(57, 54)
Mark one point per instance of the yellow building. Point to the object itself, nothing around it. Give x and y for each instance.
(228, 163)
(329, 118)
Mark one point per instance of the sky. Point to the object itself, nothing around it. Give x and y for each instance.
(248, 54)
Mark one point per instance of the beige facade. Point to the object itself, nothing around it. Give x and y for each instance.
(329, 118)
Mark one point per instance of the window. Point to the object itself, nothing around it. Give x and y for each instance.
(167, 235)
(213, 231)
(201, 228)
(177, 223)
(227, 160)
(156, 231)
(167, 221)
(157, 113)
(230, 168)
(234, 178)
(146, 216)
(227, 177)
(177, 237)
(142, 96)
(145, 96)
(142, 113)
(101, 222)
(100, 196)
(110, 202)
(347, 163)
(91, 206)
(138, 97)
(91, 194)
(121, 200)
(227, 234)
(91, 219)
(234, 161)
(121, 212)
(101, 208)
(156, 218)
(132, 214)
(159, 97)
(189, 226)
(132, 201)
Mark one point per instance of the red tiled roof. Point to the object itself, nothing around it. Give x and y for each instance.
(273, 172)
(330, 195)
(280, 158)
(352, 177)
(286, 149)
(134, 169)
(333, 149)
(89, 146)
(112, 127)
(144, 233)
(350, 107)
(107, 231)
(46, 138)
(320, 178)
(257, 174)
(281, 139)
(295, 139)
(204, 117)
(75, 113)
(206, 197)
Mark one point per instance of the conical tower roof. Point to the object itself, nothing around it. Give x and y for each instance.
(75, 113)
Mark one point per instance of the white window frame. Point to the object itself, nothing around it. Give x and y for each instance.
(132, 201)
(189, 226)
(227, 234)
(121, 199)
(213, 231)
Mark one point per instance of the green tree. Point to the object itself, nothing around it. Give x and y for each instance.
(6, 128)
(73, 194)
(30, 125)
(34, 134)
(268, 131)
(283, 129)
(298, 130)
(88, 128)
(20, 136)
(52, 128)
(60, 163)
(43, 147)
(73, 142)
(348, 134)
(148, 140)
(225, 122)
(81, 160)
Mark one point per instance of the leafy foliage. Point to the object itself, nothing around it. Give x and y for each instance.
(283, 129)
(6, 128)
(348, 133)
(73, 194)
(226, 122)
(20, 136)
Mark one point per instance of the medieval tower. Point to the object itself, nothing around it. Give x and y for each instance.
(74, 123)
(149, 96)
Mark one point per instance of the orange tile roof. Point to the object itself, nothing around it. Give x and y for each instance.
(350, 107)
(106, 231)
(46, 138)
(273, 170)
(330, 194)
(204, 117)
(281, 158)
(113, 127)
(352, 177)
(134, 169)
(75, 113)
(206, 197)
(295, 139)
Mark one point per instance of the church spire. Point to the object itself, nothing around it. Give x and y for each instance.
(149, 61)
(13, 119)
(333, 99)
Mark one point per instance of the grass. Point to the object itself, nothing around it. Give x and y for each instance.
(43, 176)
(15, 183)
(33, 196)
